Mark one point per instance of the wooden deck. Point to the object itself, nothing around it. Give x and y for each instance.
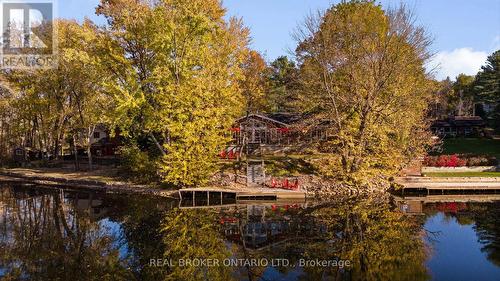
(448, 184)
(245, 193)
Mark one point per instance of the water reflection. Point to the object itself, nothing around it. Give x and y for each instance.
(380, 244)
(47, 235)
(67, 235)
(464, 233)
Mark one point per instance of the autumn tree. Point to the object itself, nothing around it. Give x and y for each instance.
(80, 66)
(439, 100)
(461, 99)
(5, 124)
(255, 83)
(67, 99)
(362, 72)
(176, 68)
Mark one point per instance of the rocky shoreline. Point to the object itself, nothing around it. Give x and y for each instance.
(315, 187)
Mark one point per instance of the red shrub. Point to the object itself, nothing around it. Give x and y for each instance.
(444, 161)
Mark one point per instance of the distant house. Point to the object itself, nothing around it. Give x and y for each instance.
(105, 147)
(459, 126)
(102, 143)
(277, 129)
(100, 132)
(26, 154)
(20, 155)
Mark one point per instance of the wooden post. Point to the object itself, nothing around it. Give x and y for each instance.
(221, 197)
(208, 198)
(193, 197)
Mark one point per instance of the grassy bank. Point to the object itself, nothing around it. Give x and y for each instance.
(472, 146)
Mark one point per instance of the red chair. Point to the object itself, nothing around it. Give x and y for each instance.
(285, 184)
(274, 183)
(222, 154)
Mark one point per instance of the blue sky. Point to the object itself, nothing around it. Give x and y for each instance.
(464, 31)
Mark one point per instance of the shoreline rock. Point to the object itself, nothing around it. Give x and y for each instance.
(316, 187)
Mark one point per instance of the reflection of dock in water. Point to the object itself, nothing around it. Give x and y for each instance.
(259, 227)
(414, 204)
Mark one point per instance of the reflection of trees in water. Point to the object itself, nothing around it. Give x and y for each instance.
(485, 218)
(382, 244)
(140, 219)
(488, 231)
(45, 237)
(194, 234)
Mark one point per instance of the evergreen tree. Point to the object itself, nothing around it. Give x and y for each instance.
(486, 88)
(283, 75)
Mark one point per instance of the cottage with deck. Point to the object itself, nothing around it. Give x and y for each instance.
(275, 129)
(461, 126)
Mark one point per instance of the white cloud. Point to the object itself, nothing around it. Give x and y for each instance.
(496, 43)
(462, 60)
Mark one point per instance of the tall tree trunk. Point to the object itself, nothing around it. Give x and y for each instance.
(89, 145)
(56, 142)
(75, 151)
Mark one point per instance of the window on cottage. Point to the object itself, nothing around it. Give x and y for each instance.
(97, 135)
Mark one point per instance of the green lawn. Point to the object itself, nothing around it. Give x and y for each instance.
(472, 145)
(464, 174)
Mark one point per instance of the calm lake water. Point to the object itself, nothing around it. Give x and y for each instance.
(48, 234)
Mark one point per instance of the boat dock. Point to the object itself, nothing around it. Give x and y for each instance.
(213, 197)
(449, 184)
(462, 198)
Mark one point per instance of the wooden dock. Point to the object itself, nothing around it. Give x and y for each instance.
(449, 184)
(213, 197)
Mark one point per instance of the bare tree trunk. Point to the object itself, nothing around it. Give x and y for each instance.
(158, 145)
(89, 145)
(75, 151)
